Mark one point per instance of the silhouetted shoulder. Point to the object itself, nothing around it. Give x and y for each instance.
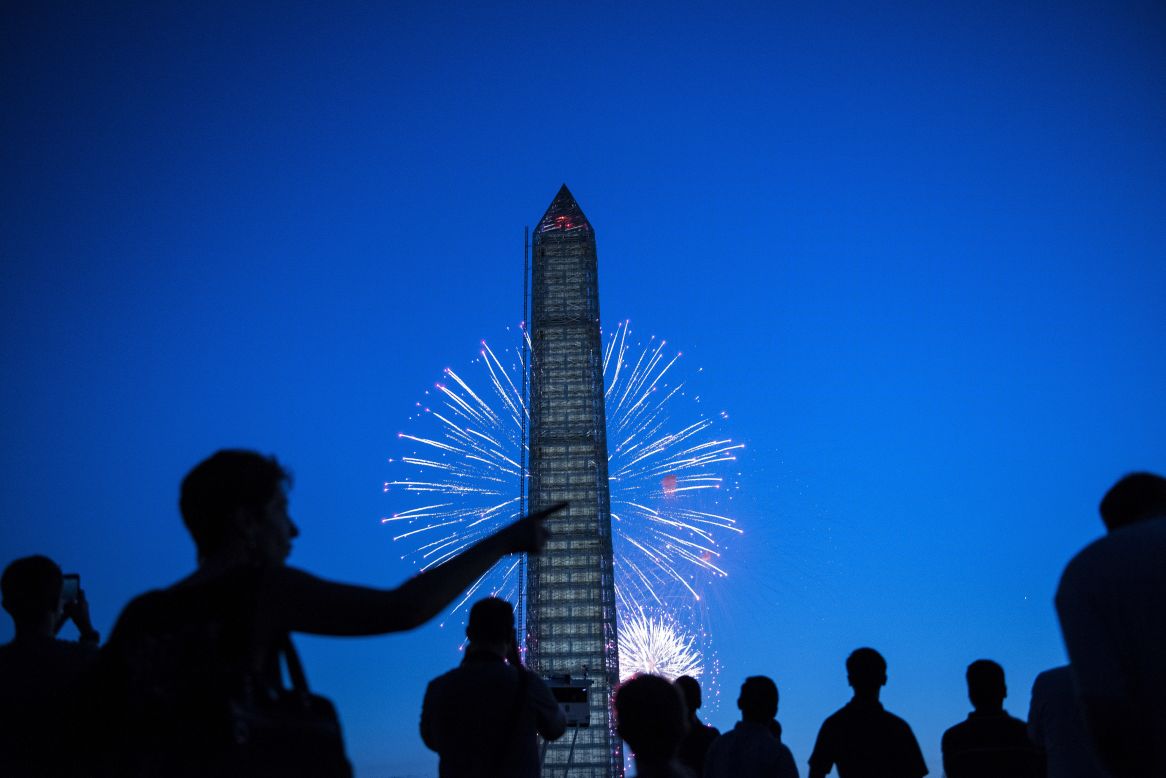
(193, 612)
(897, 722)
(825, 750)
(836, 721)
(1116, 586)
(696, 744)
(485, 709)
(991, 744)
(1003, 727)
(749, 750)
(38, 681)
(162, 685)
(1121, 554)
(864, 739)
(147, 611)
(52, 661)
(1111, 603)
(670, 770)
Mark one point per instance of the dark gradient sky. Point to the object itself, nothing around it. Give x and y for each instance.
(917, 249)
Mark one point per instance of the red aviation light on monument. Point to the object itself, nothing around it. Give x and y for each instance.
(563, 215)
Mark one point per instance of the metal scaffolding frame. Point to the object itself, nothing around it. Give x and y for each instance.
(570, 596)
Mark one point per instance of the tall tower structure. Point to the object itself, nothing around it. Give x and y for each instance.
(571, 627)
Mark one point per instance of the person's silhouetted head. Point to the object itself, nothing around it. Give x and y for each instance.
(32, 592)
(689, 689)
(651, 717)
(986, 687)
(866, 672)
(238, 498)
(491, 623)
(1136, 497)
(758, 699)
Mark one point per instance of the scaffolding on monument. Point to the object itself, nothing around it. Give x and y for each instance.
(524, 418)
(570, 602)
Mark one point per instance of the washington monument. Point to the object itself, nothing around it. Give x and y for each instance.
(571, 619)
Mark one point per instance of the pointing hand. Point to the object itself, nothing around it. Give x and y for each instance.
(529, 534)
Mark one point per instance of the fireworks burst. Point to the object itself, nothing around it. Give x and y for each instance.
(462, 477)
(658, 476)
(656, 646)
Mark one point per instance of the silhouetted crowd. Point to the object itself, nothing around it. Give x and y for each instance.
(201, 678)
(861, 739)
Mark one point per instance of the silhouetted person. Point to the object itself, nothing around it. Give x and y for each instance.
(990, 743)
(862, 740)
(650, 715)
(1112, 605)
(179, 657)
(700, 735)
(38, 672)
(753, 748)
(482, 717)
(1056, 726)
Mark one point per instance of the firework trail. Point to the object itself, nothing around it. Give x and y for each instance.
(460, 480)
(661, 533)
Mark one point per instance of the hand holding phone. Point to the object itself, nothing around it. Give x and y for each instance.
(70, 589)
(75, 608)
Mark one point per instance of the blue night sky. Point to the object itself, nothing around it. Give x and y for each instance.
(917, 250)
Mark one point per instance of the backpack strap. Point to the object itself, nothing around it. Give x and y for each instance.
(295, 670)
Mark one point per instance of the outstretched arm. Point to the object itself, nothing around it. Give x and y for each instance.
(300, 602)
(431, 591)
